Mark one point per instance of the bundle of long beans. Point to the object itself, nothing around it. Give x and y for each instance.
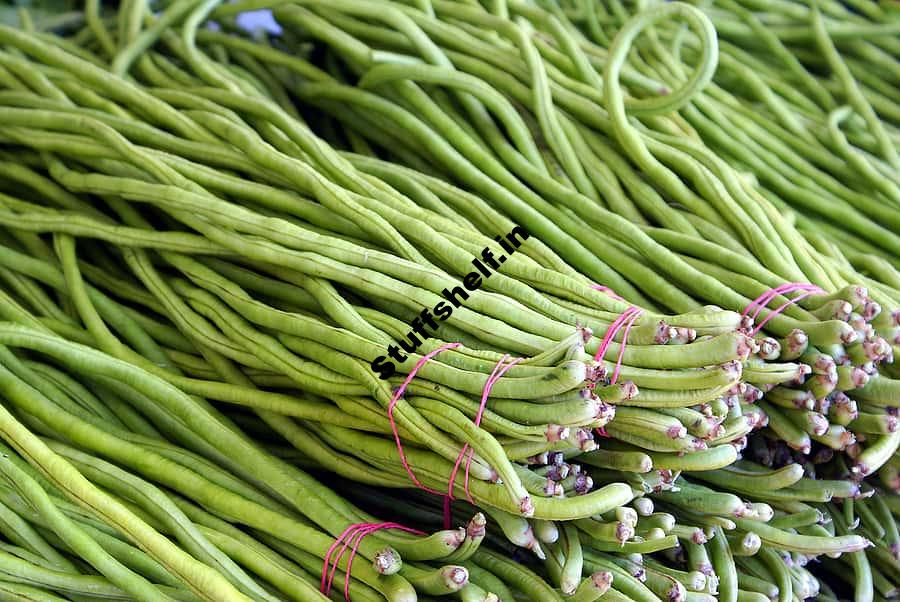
(207, 237)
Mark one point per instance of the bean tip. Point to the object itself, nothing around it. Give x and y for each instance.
(849, 336)
(456, 575)
(602, 580)
(663, 333)
(526, 506)
(387, 561)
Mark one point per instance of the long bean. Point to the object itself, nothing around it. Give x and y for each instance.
(207, 235)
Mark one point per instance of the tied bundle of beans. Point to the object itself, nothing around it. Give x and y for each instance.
(834, 176)
(696, 544)
(253, 284)
(197, 328)
(167, 203)
(533, 98)
(92, 477)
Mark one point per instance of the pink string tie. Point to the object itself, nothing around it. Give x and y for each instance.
(625, 320)
(352, 535)
(499, 370)
(467, 452)
(607, 290)
(635, 314)
(763, 300)
(397, 395)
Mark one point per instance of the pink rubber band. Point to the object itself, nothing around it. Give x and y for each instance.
(351, 532)
(780, 309)
(499, 370)
(469, 457)
(763, 300)
(634, 316)
(627, 318)
(774, 293)
(607, 290)
(610, 333)
(352, 535)
(399, 393)
(448, 511)
(328, 575)
(448, 497)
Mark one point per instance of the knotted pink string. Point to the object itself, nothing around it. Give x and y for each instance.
(399, 393)
(763, 300)
(607, 290)
(352, 535)
(499, 370)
